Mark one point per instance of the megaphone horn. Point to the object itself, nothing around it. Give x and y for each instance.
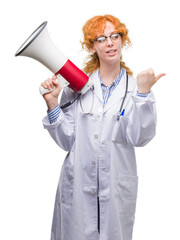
(40, 47)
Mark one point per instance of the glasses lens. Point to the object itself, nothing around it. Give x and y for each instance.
(115, 36)
(101, 39)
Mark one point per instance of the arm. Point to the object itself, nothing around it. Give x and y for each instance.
(141, 127)
(138, 125)
(141, 120)
(63, 129)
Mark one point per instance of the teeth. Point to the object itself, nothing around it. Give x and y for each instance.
(111, 51)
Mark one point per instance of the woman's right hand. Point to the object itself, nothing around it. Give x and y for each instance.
(51, 98)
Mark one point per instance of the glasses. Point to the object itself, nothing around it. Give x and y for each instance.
(114, 37)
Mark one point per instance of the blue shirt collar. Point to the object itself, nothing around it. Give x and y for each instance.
(116, 81)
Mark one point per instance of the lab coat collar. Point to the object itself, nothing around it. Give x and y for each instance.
(97, 85)
(118, 92)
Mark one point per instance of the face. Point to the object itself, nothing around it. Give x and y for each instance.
(108, 51)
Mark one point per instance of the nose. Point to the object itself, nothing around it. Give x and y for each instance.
(109, 41)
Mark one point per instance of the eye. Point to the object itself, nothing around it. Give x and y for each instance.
(115, 36)
(101, 39)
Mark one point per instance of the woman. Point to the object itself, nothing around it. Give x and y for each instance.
(97, 190)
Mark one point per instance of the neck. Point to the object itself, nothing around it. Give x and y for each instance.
(109, 73)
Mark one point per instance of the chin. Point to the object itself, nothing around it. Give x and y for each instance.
(113, 60)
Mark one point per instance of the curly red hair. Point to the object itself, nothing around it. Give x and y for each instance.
(92, 28)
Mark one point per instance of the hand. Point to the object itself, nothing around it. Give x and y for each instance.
(146, 79)
(51, 98)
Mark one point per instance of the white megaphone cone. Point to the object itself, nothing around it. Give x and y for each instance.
(40, 47)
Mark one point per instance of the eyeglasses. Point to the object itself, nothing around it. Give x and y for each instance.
(114, 37)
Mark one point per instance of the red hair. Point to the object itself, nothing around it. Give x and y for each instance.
(95, 26)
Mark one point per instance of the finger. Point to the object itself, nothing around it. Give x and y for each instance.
(43, 85)
(150, 70)
(55, 82)
(159, 76)
(51, 83)
(48, 83)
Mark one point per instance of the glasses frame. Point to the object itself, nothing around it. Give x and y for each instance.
(96, 39)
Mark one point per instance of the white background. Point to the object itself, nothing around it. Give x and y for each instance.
(30, 161)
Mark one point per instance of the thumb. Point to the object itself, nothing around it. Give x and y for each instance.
(159, 76)
(55, 80)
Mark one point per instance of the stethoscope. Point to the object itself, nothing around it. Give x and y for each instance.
(120, 112)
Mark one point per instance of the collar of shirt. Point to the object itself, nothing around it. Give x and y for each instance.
(115, 82)
(107, 91)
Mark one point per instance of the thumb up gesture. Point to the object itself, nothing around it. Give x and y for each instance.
(146, 79)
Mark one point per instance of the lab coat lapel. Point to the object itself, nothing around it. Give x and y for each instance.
(118, 92)
(97, 85)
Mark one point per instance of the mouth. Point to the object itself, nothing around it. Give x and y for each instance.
(111, 51)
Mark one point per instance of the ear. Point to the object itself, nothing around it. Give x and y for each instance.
(92, 49)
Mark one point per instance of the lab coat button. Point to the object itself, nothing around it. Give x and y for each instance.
(96, 136)
(93, 164)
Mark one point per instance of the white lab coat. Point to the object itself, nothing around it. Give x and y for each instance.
(100, 161)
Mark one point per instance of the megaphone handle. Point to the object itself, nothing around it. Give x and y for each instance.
(61, 81)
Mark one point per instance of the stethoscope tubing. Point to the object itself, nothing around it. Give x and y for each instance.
(87, 113)
(122, 103)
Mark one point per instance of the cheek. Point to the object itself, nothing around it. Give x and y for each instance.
(99, 51)
(120, 48)
(120, 44)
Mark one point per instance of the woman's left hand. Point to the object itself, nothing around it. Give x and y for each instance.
(146, 79)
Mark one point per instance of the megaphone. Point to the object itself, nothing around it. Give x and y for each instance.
(40, 47)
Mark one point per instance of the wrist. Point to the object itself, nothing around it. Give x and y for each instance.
(143, 90)
(53, 115)
(51, 105)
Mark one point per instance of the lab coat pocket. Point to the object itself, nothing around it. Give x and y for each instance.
(119, 131)
(67, 184)
(126, 194)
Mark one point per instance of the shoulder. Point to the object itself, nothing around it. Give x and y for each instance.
(94, 75)
(132, 79)
(67, 95)
(132, 83)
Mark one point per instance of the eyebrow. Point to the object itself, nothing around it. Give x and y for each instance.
(102, 35)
